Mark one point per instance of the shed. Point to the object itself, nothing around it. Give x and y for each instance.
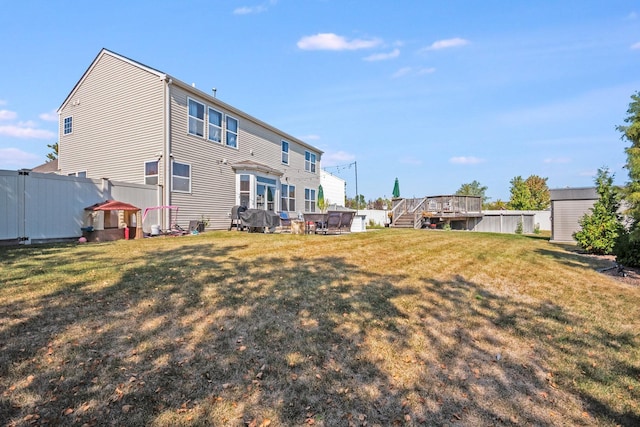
(568, 206)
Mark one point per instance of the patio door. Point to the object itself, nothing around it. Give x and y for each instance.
(265, 193)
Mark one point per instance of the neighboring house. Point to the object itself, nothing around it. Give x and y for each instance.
(568, 206)
(49, 167)
(129, 122)
(333, 188)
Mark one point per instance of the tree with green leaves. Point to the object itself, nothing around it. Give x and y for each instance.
(600, 229)
(520, 199)
(531, 194)
(474, 188)
(627, 249)
(54, 151)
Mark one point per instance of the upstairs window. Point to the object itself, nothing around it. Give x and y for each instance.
(151, 173)
(68, 125)
(215, 125)
(181, 177)
(309, 162)
(285, 152)
(232, 132)
(196, 118)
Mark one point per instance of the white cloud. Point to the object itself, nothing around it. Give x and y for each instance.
(465, 160)
(247, 10)
(336, 158)
(632, 16)
(8, 115)
(447, 43)
(3, 102)
(51, 116)
(406, 71)
(26, 130)
(411, 161)
(383, 56)
(13, 158)
(635, 46)
(557, 160)
(330, 41)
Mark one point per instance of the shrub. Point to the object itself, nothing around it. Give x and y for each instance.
(519, 228)
(627, 250)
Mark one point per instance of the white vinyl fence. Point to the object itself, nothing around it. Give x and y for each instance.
(36, 207)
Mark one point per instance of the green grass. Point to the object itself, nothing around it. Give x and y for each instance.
(390, 327)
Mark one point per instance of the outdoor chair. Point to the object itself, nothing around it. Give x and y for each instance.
(333, 222)
(285, 221)
(346, 219)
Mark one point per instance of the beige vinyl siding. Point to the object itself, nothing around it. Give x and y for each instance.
(213, 182)
(566, 214)
(118, 121)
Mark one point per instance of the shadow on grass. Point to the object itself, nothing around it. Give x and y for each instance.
(202, 335)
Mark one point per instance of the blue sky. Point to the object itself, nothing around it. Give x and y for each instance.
(434, 93)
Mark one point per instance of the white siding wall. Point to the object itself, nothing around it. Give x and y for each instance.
(333, 188)
(10, 205)
(117, 112)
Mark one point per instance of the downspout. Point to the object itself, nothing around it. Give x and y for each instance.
(166, 152)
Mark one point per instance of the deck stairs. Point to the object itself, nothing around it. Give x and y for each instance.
(405, 220)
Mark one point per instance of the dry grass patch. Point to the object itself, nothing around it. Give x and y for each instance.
(391, 327)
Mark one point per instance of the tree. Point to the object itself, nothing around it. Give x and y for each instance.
(356, 203)
(529, 194)
(520, 199)
(540, 195)
(627, 248)
(473, 188)
(498, 205)
(54, 151)
(600, 229)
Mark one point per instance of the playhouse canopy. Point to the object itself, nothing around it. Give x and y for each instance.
(111, 205)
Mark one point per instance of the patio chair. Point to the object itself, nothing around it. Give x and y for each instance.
(346, 219)
(333, 222)
(285, 221)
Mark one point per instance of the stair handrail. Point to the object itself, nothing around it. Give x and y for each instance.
(417, 213)
(399, 209)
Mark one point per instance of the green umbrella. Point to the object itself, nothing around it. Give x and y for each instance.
(320, 197)
(396, 189)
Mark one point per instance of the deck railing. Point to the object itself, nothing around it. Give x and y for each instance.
(442, 206)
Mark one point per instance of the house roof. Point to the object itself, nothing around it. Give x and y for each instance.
(48, 167)
(172, 80)
(255, 166)
(111, 205)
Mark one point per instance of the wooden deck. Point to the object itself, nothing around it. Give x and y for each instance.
(435, 211)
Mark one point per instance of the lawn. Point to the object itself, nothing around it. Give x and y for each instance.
(390, 327)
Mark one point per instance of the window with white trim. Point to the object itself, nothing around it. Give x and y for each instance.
(288, 198)
(245, 190)
(80, 174)
(196, 118)
(181, 177)
(215, 125)
(309, 162)
(67, 125)
(232, 132)
(285, 152)
(309, 200)
(151, 172)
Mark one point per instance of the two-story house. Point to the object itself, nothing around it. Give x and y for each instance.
(129, 122)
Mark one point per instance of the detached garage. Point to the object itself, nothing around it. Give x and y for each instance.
(568, 206)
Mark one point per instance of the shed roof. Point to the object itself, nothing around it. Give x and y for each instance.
(583, 193)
